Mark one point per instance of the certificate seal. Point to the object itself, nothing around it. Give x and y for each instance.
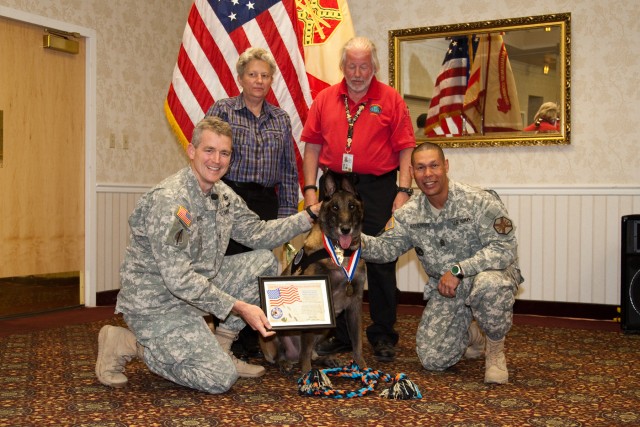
(276, 313)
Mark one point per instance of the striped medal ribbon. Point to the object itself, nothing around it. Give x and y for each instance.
(350, 270)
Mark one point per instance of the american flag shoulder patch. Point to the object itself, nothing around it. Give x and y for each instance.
(184, 216)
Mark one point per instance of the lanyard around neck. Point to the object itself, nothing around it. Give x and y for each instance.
(351, 121)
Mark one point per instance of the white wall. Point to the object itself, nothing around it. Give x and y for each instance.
(569, 240)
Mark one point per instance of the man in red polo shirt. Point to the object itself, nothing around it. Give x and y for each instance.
(361, 127)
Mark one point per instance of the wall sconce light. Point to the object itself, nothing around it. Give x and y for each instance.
(545, 69)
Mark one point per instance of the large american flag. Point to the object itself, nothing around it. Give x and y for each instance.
(217, 32)
(444, 117)
(283, 295)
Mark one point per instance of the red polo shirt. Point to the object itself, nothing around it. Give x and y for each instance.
(544, 127)
(381, 131)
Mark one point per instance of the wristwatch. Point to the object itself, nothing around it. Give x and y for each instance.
(456, 270)
(409, 191)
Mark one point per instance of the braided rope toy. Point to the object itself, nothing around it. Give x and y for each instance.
(316, 382)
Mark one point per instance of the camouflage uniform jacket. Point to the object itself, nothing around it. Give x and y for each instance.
(473, 229)
(179, 236)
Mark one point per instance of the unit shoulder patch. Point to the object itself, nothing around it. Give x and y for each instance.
(503, 225)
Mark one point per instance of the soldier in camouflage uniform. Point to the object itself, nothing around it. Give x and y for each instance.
(175, 272)
(466, 243)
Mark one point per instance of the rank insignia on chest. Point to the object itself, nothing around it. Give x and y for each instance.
(225, 205)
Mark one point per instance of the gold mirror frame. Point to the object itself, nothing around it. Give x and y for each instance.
(562, 20)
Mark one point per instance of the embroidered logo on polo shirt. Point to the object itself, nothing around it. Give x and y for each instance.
(375, 109)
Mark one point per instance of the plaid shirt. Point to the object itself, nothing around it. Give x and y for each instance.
(263, 149)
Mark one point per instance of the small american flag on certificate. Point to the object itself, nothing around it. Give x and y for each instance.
(283, 295)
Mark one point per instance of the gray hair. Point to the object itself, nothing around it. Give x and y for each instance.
(255, 53)
(213, 124)
(364, 44)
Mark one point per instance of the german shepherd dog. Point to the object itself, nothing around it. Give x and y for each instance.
(338, 226)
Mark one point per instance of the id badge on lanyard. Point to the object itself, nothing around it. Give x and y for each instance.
(347, 157)
(347, 162)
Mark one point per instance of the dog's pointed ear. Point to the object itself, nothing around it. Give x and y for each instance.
(329, 185)
(347, 185)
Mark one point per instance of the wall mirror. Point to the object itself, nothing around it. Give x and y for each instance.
(535, 70)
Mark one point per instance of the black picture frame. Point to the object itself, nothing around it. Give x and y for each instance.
(297, 302)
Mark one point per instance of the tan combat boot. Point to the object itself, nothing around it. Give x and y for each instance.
(225, 338)
(116, 347)
(495, 368)
(475, 350)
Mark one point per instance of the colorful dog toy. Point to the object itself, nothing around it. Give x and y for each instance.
(317, 383)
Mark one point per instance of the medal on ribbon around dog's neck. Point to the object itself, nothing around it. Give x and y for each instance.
(337, 256)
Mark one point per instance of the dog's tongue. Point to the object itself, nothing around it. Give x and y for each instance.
(345, 241)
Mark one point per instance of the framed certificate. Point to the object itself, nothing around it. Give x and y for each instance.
(297, 302)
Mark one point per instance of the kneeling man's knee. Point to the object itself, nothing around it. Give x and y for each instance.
(216, 382)
(432, 361)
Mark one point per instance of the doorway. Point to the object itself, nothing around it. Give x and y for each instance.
(42, 97)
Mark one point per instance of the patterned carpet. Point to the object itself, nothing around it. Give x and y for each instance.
(559, 377)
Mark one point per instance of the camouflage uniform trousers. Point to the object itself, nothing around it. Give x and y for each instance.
(442, 336)
(189, 354)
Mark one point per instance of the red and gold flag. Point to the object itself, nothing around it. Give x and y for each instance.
(491, 100)
(325, 27)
